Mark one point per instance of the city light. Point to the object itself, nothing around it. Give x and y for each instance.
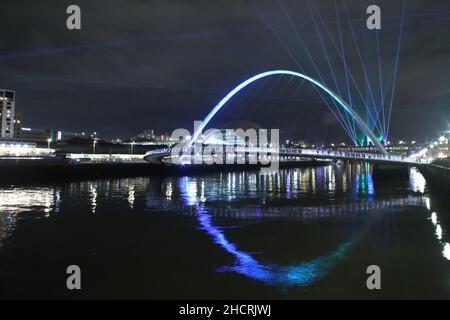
(83, 157)
(23, 150)
(94, 143)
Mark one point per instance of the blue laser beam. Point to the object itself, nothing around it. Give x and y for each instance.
(358, 52)
(268, 24)
(327, 59)
(365, 103)
(380, 77)
(308, 54)
(396, 65)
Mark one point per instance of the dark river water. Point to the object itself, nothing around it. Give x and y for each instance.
(303, 233)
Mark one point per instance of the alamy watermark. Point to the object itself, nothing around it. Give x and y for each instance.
(373, 22)
(73, 281)
(227, 146)
(374, 280)
(73, 21)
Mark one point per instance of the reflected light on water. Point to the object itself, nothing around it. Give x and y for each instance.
(169, 190)
(20, 200)
(439, 234)
(370, 187)
(93, 194)
(446, 251)
(313, 181)
(417, 182)
(193, 190)
(362, 183)
(330, 178)
(428, 203)
(131, 196)
(287, 184)
(14, 201)
(301, 274)
(434, 218)
(202, 192)
(246, 191)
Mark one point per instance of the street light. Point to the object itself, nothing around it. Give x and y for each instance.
(49, 141)
(94, 143)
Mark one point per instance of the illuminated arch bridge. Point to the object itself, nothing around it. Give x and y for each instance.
(156, 156)
(341, 103)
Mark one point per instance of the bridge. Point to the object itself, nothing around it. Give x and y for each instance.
(318, 85)
(190, 155)
(277, 154)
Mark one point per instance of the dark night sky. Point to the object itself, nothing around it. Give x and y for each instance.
(162, 64)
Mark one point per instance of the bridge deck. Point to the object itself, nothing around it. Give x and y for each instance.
(285, 154)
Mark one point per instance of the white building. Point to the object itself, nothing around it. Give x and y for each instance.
(7, 113)
(231, 137)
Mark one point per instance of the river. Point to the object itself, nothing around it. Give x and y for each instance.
(300, 234)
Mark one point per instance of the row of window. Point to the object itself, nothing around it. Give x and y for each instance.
(8, 97)
(7, 94)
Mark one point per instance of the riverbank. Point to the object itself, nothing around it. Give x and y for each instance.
(437, 175)
(194, 169)
(56, 168)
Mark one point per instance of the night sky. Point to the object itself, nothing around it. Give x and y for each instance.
(162, 64)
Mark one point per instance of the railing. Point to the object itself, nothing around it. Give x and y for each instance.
(82, 157)
(306, 152)
(158, 151)
(353, 155)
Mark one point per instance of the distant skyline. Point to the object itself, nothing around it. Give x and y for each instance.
(163, 64)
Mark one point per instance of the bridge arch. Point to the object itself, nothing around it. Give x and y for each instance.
(347, 108)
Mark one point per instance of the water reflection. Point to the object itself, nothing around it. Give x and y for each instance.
(42, 201)
(16, 200)
(93, 193)
(304, 272)
(287, 184)
(310, 195)
(131, 197)
(446, 251)
(300, 274)
(362, 180)
(438, 232)
(417, 183)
